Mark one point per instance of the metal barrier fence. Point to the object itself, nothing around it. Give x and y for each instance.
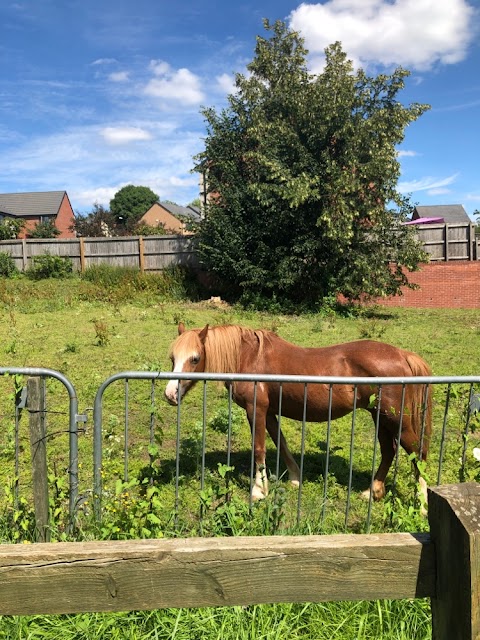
(41, 410)
(456, 404)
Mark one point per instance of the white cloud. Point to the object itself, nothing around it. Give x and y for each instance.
(124, 135)
(440, 191)
(119, 76)
(226, 83)
(101, 61)
(407, 154)
(159, 67)
(180, 86)
(414, 33)
(426, 184)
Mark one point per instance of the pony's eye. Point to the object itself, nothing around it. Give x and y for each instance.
(195, 359)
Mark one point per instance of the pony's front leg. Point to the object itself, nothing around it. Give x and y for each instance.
(260, 483)
(279, 439)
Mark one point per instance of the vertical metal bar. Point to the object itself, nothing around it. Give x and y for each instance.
(125, 436)
(327, 454)
(374, 460)
(424, 414)
(152, 427)
(279, 423)
(302, 452)
(204, 436)
(16, 486)
(444, 431)
(252, 457)
(73, 460)
(350, 468)
(467, 427)
(399, 437)
(229, 434)
(152, 412)
(177, 460)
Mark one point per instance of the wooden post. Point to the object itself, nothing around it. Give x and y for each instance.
(36, 408)
(24, 255)
(454, 515)
(82, 254)
(141, 254)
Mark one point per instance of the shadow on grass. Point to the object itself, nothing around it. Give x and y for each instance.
(241, 461)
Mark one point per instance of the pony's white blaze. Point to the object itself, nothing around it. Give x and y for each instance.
(173, 390)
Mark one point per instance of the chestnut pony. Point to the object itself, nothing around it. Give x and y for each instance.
(235, 349)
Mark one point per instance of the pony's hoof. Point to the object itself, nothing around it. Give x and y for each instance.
(365, 495)
(258, 494)
(377, 493)
(295, 483)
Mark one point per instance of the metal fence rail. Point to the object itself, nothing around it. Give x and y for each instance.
(459, 390)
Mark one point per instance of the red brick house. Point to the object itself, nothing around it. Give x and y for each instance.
(40, 206)
(173, 217)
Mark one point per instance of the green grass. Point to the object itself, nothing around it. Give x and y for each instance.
(91, 328)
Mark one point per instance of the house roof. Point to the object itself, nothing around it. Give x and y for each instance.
(431, 220)
(178, 210)
(451, 213)
(37, 203)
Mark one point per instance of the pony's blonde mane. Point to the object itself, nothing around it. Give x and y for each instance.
(223, 346)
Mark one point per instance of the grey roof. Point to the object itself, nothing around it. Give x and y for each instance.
(178, 210)
(451, 213)
(37, 203)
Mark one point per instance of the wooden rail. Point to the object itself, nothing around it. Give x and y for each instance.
(150, 574)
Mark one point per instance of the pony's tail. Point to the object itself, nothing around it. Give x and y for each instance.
(420, 403)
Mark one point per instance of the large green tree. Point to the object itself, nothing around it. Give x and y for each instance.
(130, 203)
(302, 172)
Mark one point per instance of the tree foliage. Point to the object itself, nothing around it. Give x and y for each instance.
(99, 222)
(130, 203)
(44, 229)
(302, 172)
(10, 228)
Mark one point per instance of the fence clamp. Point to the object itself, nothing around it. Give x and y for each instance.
(80, 417)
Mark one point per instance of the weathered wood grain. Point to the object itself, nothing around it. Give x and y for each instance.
(454, 514)
(36, 408)
(117, 576)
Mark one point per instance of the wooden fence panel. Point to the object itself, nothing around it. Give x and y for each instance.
(154, 253)
(448, 241)
(151, 253)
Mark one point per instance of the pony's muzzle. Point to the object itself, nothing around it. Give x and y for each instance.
(171, 392)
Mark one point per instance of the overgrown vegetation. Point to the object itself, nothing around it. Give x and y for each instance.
(302, 172)
(60, 324)
(48, 266)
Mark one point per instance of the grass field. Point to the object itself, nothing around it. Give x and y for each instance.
(91, 329)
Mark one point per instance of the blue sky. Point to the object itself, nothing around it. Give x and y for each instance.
(97, 95)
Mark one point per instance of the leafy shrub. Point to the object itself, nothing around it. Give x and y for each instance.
(7, 265)
(48, 266)
(46, 229)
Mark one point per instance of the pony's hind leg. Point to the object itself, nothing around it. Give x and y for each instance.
(279, 439)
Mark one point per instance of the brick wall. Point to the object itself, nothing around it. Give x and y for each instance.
(65, 218)
(444, 285)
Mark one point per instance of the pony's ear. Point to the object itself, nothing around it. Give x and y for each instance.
(181, 328)
(203, 333)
